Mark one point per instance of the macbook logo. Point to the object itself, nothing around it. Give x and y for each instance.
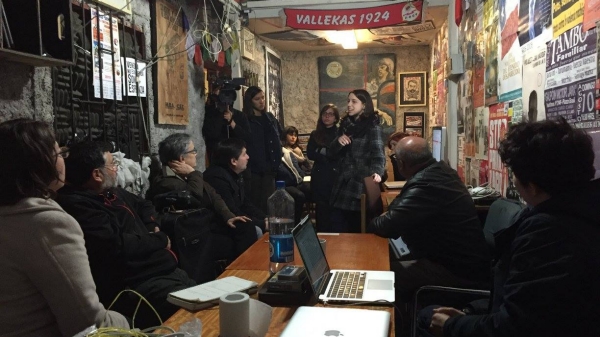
(334, 333)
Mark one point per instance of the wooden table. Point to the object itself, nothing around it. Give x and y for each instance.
(344, 251)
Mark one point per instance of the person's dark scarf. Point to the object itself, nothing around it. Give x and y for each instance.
(325, 135)
(357, 127)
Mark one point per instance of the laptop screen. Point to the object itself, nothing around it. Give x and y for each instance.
(311, 253)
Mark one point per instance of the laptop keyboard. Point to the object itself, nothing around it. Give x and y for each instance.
(348, 284)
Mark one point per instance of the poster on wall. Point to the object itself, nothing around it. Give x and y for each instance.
(273, 92)
(491, 63)
(482, 116)
(571, 76)
(461, 166)
(479, 71)
(171, 75)
(338, 75)
(465, 99)
(133, 78)
(566, 14)
(510, 65)
(591, 14)
(104, 47)
(534, 73)
(535, 19)
(498, 126)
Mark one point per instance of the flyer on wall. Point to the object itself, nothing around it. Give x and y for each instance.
(104, 46)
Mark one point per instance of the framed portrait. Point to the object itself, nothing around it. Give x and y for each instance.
(303, 141)
(414, 123)
(247, 44)
(273, 90)
(413, 89)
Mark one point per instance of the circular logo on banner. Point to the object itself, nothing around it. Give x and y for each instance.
(334, 69)
(410, 12)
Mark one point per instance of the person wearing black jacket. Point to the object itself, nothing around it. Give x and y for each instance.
(547, 269)
(225, 176)
(322, 175)
(436, 218)
(222, 122)
(125, 246)
(264, 147)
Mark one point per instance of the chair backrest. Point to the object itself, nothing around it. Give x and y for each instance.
(502, 213)
(373, 193)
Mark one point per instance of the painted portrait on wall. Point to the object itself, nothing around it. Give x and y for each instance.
(413, 89)
(338, 75)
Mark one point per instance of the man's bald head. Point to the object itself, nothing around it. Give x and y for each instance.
(413, 151)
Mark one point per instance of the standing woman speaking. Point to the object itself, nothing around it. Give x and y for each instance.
(359, 150)
(264, 147)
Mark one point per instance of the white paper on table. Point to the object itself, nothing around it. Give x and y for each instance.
(260, 318)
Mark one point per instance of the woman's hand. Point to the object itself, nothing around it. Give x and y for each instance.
(344, 140)
(180, 168)
(242, 218)
(376, 177)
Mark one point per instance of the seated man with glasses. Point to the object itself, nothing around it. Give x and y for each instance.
(178, 157)
(125, 247)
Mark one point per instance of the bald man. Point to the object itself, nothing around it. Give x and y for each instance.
(436, 218)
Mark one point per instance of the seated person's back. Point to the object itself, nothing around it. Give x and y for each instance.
(435, 216)
(125, 246)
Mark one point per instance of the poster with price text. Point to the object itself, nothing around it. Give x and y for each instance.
(571, 76)
(105, 44)
(498, 127)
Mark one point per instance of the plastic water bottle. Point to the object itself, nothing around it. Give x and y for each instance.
(281, 222)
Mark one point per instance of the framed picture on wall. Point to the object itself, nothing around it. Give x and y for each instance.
(273, 93)
(247, 44)
(414, 123)
(413, 89)
(303, 141)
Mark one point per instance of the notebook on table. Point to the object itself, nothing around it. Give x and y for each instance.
(346, 286)
(318, 321)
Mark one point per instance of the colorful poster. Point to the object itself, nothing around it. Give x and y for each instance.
(534, 73)
(591, 14)
(570, 78)
(479, 71)
(461, 165)
(497, 130)
(482, 116)
(465, 99)
(490, 12)
(105, 44)
(133, 78)
(491, 63)
(510, 64)
(566, 15)
(535, 19)
(467, 108)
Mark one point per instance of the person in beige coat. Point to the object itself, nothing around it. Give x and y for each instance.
(46, 288)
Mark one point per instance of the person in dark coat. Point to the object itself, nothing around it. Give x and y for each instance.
(359, 152)
(322, 175)
(547, 269)
(222, 122)
(264, 147)
(178, 157)
(125, 246)
(436, 218)
(229, 161)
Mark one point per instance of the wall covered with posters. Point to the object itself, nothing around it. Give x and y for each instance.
(524, 60)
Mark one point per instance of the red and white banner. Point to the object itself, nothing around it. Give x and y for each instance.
(359, 18)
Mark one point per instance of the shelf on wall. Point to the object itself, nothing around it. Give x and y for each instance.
(31, 59)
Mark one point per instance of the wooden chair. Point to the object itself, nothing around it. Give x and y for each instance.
(370, 202)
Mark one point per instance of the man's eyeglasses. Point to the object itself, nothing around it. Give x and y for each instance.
(114, 166)
(64, 152)
(192, 151)
(330, 114)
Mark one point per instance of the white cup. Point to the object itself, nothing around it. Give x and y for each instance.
(323, 243)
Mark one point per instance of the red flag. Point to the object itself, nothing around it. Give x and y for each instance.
(197, 55)
(458, 11)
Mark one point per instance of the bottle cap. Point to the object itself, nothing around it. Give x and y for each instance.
(280, 184)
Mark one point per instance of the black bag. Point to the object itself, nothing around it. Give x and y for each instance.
(191, 239)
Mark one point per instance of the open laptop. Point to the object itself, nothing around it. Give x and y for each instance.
(318, 321)
(339, 285)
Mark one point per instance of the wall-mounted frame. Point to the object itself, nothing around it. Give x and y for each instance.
(273, 82)
(414, 123)
(412, 89)
(247, 44)
(303, 141)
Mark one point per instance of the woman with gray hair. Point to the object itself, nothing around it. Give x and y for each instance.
(178, 157)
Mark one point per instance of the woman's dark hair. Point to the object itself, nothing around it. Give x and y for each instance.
(320, 136)
(290, 130)
(366, 99)
(84, 158)
(396, 136)
(226, 150)
(552, 155)
(28, 164)
(248, 108)
(173, 147)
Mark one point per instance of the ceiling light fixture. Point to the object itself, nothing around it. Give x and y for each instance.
(346, 38)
